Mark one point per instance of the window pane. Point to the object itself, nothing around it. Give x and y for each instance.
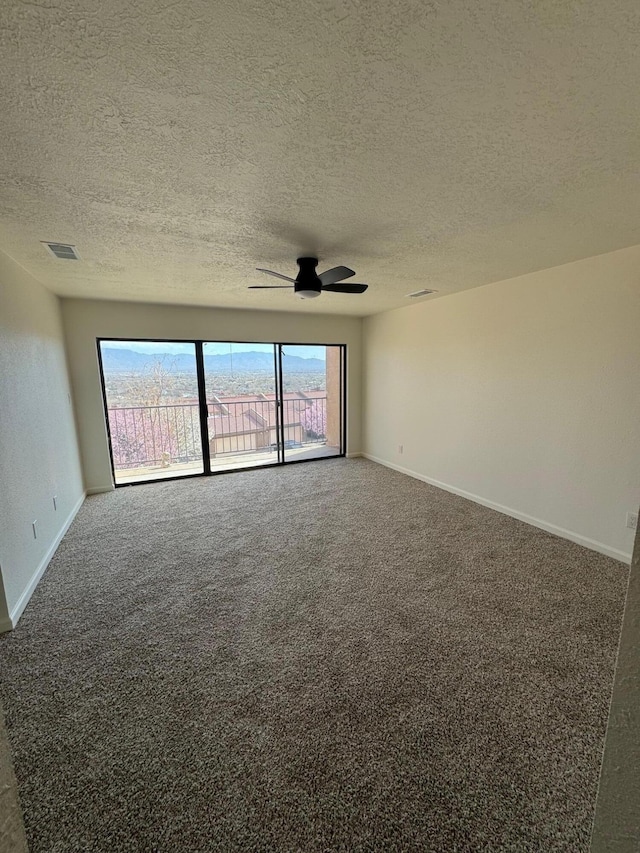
(241, 404)
(151, 393)
(312, 395)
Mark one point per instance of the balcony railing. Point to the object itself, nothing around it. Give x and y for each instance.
(153, 436)
(159, 436)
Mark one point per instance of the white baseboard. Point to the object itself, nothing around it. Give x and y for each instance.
(18, 610)
(600, 547)
(100, 490)
(6, 625)
(353, 455)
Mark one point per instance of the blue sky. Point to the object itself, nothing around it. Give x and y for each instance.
(214, 348)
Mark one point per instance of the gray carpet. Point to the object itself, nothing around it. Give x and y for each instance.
(327, 657)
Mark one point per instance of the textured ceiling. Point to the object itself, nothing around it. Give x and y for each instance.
(445, 145)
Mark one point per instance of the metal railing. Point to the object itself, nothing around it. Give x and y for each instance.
(154, 435)
(159, 436)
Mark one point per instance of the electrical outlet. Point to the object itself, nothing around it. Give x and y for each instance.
(55, 502)
(400, 448)
(35, 532)
(632, 520)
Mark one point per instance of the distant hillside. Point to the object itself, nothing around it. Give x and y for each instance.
(128, 361)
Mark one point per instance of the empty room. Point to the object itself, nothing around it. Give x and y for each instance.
(350, 566)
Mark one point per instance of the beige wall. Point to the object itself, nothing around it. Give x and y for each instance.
(332, 384)
(524, 394)
(85, 320)
(38, 446)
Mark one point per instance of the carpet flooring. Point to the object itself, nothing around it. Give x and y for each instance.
(325, 657)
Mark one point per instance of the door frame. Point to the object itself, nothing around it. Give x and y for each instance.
(203, 405)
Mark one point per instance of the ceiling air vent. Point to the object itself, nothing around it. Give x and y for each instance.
(62, 251)
(420, 293)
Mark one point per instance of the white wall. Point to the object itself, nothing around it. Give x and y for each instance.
(524, 395)
(85, 320)
(38, 447)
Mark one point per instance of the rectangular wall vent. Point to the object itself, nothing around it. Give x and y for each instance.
(62, 251)
(420, 293)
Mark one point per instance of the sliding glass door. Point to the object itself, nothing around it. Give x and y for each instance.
(311, 401)
(242, 409)
(152, 407)
(176, 409)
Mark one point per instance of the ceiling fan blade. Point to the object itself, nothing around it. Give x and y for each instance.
(270, 287)
(335, 274)
(345, 288)
(277, 274)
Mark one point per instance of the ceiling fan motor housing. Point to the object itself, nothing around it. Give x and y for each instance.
(307, 284)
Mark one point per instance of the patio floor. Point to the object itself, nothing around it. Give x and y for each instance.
(229, 462)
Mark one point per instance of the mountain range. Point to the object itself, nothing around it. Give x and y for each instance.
(128, 361)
